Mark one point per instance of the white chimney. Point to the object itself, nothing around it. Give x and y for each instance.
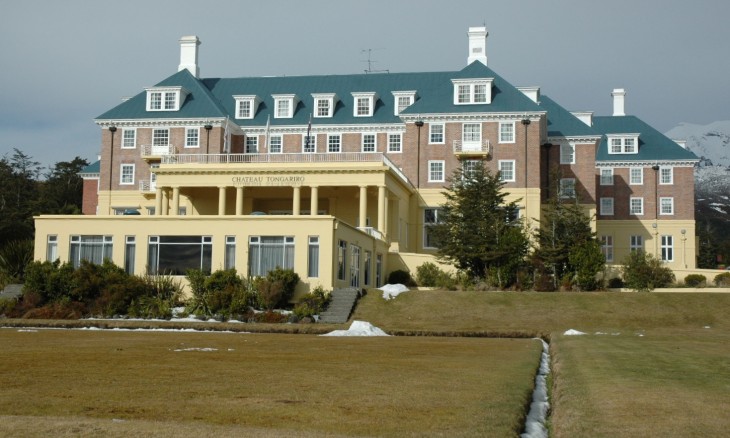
(477, 45)
(189, 55)
(618, 101)
(584, 116)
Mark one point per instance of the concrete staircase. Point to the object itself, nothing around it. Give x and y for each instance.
(340, 307)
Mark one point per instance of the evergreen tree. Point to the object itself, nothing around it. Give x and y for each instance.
(63, 189)
(479, 232)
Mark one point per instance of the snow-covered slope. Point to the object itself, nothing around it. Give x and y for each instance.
(709, 142)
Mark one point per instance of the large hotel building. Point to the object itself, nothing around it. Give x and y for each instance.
(340, 176)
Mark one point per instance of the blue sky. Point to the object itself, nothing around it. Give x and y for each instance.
(66, 62)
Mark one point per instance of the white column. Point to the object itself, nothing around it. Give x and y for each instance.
(381, 209)
(239, 201)
(175, 201)
(158, 201)
(296, 201)
(314, 201)
(221, 201)
(163, 210)
(363, 205)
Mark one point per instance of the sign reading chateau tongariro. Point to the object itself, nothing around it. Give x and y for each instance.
(290, 181)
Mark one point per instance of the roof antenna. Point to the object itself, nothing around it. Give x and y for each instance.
(371, 62)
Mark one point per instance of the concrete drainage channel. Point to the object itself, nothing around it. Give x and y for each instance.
(537, 416)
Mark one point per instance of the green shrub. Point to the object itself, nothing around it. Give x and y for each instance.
(400, 276)
(289, 280)
(14, 257)
(644, 272)
(587, 260)
(312, 304)
(695, 280)
(430, 275)
(7, 306)
(722, 280)
(50, 280)
(270, 293)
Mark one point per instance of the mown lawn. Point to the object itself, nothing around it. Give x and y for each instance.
(112, 383)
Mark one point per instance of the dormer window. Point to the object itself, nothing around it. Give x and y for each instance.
(364, 104)
(284, 105)
(165, 98)
(472, 91)
(324, 104)
(246, 106)
(403, 99)
(623, 144)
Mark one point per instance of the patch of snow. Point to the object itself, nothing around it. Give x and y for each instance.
(707, 326)
(196, 349)
(535, 422)
(393, 290)
(28, 331)
(358, 328)
(572, 332)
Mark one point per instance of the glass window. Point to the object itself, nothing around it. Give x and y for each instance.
(160, 137)
(313, 257)
(368, 143)
(367, 268)
(275, 144)
(309, 144)
(607, 247)
(637, 243)
(334, 143)
(283, 107)
(341, 259)
(606, 177)
(507, 170)
(170, 101)
(435, 133)
(567, 188)
(431, 217)
(629, 145)
(606, 206)
(363, 106)
(126, 176)
(252, 144)
(90, 247)
(469, 167)
(667, 248)
(506, 132)
(480, 93)
(229, 261)
(464, 93)
(395, 143)
(129, 138)
(156, 100)
(323, 108)
(130, 248)
(244, 109)
(567, 154)
(378, 270)
(354, 266)
(472, 133)
(636, 175)
(436, 171)
(403, 103)
(665, 175)
(174, 255)
(636, 206)
(266, 253)
(192, 137)
(52, 248)
(666, 205)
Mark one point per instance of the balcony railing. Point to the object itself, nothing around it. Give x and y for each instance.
(472, 147)
(155, 150)
(147, 186)
(370, 231)
(302, 158)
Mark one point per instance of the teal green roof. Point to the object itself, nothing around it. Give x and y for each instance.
(561, 123)
(93, 168)
(213, 97)
(653, 145)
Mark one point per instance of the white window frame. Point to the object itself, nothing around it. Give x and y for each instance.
(468, 168)
(251, 140)
(505, 135)
(368, 98)
(125, 144)
(52, 248)
(567, 153)
(312, 143)
(636, 201)
(666, 206)
(367, 136)
(402, 100)
(567, 188)
(513, 170)
(468, 91)
(123, 181)
(607, 206)
(636, 242)
(436, 212)
(188, 131)
(606, 178)
(287, 112)
(251, 102)
(433, 171)
(667, 247)
(157, 138)
(607, 247)
(636, 176)
(165, 98)
(391, 143)
(280, 139)
(330, 137)
(666, 175)
(623, 144)
(329, 98)
(431, 133)
(313, 257)
(470, 136)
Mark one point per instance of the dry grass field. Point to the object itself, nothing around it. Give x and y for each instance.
(122, 383)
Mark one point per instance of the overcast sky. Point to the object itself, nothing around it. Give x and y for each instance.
(62, 63)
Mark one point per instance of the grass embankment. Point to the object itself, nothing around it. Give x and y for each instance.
(94, 383)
